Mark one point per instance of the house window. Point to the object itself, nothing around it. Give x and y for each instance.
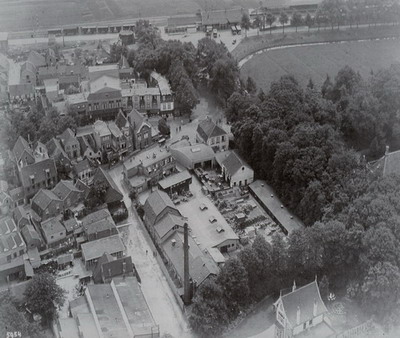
(51, 236)
(32, 177)
(310, 323)
(61, 233)
(304, 325)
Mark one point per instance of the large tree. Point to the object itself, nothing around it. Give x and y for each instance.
(44, 297)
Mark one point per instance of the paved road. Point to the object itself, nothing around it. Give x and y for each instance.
(155, 287)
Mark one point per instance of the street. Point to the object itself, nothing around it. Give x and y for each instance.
(155, 287)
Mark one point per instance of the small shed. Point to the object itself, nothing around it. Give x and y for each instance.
(240, 216)
(65, 260)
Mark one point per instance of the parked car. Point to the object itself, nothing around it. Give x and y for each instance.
(203, 207)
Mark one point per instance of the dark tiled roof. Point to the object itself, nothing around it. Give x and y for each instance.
(121, 121)
(82, 166)
(234, 162)
(109, 267)
(82, 187)
(167, 223)
(99, 226)
(29, 233)
(38, 60)
(207, 128)
(55, 149)
(155, 204)
(21, 89)
(20, 147)
(96, 216)
(136, 119)
(303, 298)
(200, 266)
(70, 224)
(67, 137)
(52, 226)
(44, 197)
(64, 188)
(38, 169)
(105, 93)
(113, 194)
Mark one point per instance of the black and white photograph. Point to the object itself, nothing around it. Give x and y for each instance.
(199, 168)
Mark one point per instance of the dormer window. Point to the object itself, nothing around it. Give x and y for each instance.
(32, 178)
(47, 171)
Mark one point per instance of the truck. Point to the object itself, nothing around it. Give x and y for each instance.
(215, 33)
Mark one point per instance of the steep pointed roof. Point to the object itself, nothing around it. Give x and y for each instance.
(303, 299)
(20, 147)
(207, 128)
(155, 204)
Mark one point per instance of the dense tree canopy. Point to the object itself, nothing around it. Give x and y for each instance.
(43, 296)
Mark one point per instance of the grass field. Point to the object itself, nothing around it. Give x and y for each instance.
(19, 15)
(315, 62)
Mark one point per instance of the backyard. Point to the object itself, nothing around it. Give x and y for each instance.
(315, 62)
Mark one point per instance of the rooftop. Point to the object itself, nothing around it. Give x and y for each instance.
(200, 266)
(162, 82)
(303, 298)
(174, 179)
(231, 160)
(167, 223)
(147, 157)
(64, 188)
(41, 171)
(268, 197)
(7, 226)
(104, 82)
(155, 204)
(107, 311)
(139, 315)
(101, 128)
(52, 226)
(207, 128)
(95, 249)
(197, 153)
(76, 98)
(44, 197)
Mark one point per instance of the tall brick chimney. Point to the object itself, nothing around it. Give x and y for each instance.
(186, 281)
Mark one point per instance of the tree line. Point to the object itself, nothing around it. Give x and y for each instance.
(309, 144)
(335, 13)
(188, 68)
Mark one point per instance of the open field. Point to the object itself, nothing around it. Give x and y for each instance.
(21, 15)
(305, 62)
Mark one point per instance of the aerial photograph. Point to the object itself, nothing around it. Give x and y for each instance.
(199, 168)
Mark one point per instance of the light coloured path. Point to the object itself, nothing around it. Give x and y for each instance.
(155, 287)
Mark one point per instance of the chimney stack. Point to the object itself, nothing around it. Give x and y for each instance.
(294, 286)
(315, 308)
(186, 282)
(298, 315)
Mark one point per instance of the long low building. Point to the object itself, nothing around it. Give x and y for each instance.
(114, 310)
(270, 202)
(176, 183)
